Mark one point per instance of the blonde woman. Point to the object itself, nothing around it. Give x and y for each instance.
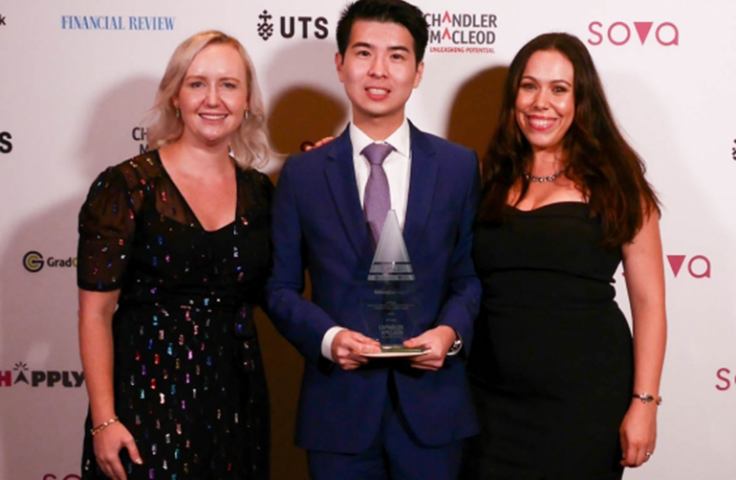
(173, 254)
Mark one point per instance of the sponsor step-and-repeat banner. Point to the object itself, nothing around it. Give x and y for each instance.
(78, 78)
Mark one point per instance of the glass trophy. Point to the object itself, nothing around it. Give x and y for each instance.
(387, 313)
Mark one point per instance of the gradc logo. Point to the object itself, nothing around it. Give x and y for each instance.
(40, 378)
(316, 27)
(6, 146)
(619, 33)
(461, 32)
(33, 261)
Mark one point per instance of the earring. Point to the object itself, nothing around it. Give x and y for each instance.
(178, 113)
(247, 114)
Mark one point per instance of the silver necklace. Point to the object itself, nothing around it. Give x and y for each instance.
(550, 178)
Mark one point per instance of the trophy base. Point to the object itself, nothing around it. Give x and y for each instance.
(396, 351)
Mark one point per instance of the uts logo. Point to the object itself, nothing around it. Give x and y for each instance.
(41, 378)
(6, 146)
(33, 261)
(140, 134)
(289, 26)
(619, 33)
(725, 379)
(697, 266)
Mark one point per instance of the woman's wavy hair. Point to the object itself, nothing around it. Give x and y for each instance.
(599, 160)
(249, 143)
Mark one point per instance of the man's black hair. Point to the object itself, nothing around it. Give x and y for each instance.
(390, 11)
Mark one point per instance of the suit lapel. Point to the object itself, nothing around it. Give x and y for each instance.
(424, 169)
(340, 174)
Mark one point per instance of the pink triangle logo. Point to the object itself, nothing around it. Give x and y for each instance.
(642, 29)
(676, 262)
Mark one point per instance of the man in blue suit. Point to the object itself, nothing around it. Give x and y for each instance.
(360, 417)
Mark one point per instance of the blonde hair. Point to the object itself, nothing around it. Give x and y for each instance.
(249, 143)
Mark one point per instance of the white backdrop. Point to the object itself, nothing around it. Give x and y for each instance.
(76, 78)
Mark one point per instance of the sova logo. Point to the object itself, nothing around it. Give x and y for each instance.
(41, 378)
(725, 379)
(697, 266)
(33, 262)
(619, 33)
(6, 146)
(307, 27)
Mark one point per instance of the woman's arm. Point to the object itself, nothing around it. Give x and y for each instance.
(644, 272)
(96, 310)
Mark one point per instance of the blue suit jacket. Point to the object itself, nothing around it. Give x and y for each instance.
(318, 224)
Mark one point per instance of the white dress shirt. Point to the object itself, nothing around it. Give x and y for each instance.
(398, 171)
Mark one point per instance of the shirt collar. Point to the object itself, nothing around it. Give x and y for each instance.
(400, 139)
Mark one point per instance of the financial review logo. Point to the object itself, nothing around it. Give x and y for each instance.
(34, 262)
(6, 145)
(453, 32)
(21, 374)
(303, 27)
(619, 33)
(117, 22)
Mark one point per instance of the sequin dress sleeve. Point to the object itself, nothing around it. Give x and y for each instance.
(106, 230)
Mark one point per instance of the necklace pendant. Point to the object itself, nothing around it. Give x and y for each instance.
(549, 178)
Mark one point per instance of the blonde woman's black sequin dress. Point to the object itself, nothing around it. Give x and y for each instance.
(188, 378)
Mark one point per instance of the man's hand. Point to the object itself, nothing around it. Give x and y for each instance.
(438, 341)
(347, 347)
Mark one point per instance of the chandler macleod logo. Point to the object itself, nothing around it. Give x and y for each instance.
(461, 32)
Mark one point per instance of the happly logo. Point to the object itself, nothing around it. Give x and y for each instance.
(33, 262)
(461, 32)
(725, 379)
(620, 33)
(290, 27)
(6, 146)
(698, 266)
(41, 378)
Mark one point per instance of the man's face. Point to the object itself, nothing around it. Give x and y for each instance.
(379, 71)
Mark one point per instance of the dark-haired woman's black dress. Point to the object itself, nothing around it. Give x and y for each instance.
(551, 362)
(188, 378)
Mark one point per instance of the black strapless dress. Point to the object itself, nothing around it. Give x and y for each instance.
(552, 359)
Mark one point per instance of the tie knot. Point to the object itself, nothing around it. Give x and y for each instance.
(376, 153)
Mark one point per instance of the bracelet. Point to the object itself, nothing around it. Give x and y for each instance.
(646, 398)
(103, 426)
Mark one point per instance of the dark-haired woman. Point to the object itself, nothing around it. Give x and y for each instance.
(562, 390)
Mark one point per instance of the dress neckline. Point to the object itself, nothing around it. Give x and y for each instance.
(186, 205)
(548, 205)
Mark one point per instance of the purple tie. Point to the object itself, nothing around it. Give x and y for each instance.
(377, 199)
